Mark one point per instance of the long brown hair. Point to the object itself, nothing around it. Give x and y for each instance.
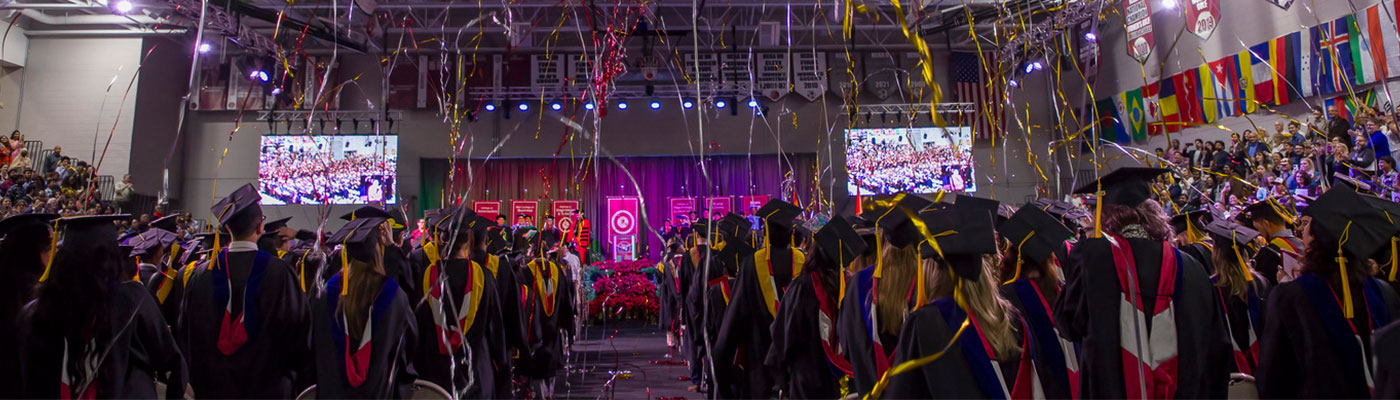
(1048, 279)
(900, 268)
(362, 287)
(1149, 215)
(993, 313)
(1230, 275)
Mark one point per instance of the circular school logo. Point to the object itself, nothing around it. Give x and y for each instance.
(566, 223)
(624, 222)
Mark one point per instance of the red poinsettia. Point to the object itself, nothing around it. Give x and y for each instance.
(623, 290)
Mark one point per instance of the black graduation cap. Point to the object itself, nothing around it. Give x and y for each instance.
(23, 221)
(365, 212)
(305, 235)
(779, 213)
(894, 221)
(1228, 233)
(244, 198)
(152, 239)
(1343, 211)
(732, 226)
(966, 202)
(1036, 233)
(1128, 186)
(1199, 218)
(1273, 206)
(975, 236)
(272, 226)
(206, 240)
(701, 227)
(89, 229)
(359, 237)
(169, 223)
(839, 242)
(1359, 185)
(1068, 213)
(397, 220)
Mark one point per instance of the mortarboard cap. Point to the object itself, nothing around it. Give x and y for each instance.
(1341, 211)
(1228, 233)
(839, 242)
(1273, 207)
(732, 226)
(1035, 233)
(365, 212)
(24, 221)
(701, 227)
(397, 220)
(304, 235)
(1358, 185)
(778, 212)
(1128, 186)
(146, 242)
(1198, 219)
(892, 217)
(963, 250)
(272, 226)
(243, 199)
(169, 223)
(89, 229)
(359, 237)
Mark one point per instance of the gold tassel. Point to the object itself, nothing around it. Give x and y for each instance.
(1098, 212)
(53, 250)
(344, 270)
(1393, 255)
(1235, 245)
(1019, 257)
(1342, 268)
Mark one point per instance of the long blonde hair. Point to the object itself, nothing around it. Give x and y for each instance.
(993, 313)
(362, 287)
(1230, 275)
(900, 268)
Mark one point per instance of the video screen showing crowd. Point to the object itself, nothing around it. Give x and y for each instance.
(938, 296)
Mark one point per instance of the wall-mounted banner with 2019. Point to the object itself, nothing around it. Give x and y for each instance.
(1202, 16)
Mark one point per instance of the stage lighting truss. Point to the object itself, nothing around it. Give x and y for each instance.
(312, 119)
(914, 111)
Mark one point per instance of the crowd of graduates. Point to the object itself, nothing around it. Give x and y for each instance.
(953, 296)
(256, 309)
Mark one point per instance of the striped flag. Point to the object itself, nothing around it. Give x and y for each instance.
(1390, 40)
(972, 85)
(1367, 45)
(1263, 74)
(1335, 55)
(1170, 111)
(1188, 97)
(1109, 127)
(1205, 89)
(1307, 63)
(1152, 109)
(1243, 78)
(1283, 59)
(1226, 84)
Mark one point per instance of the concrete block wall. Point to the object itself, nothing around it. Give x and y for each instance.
(67, 101)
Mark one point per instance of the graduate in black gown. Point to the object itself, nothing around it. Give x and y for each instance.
(1032, 282)
(463, 306)
(1239, 290)
(275, 237)
(1134, 266)
(745, 335)
(549, 308)
(668, 290)
(1282, 254)
(1387, 344)
(92, 332)
(150, 250)
(396, 263)
(968, 342)
(1191, 237)
(806, 358)
(365, 333)
(25, 240)
(1316, 340)
(245, 324)
(694, 285)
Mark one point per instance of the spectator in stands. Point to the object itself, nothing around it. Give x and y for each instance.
(5, 157)
(1337, 126)
(65, 168)
(1296, 134)
(122, 197)
(1363, 159)
(1252, 145)
(1380, 144)
(21, 161)
(51, 161)
(16, 142)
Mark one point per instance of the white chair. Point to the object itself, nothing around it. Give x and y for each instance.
(1242, 387)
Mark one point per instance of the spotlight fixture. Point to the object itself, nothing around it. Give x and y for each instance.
(688, 104)
(1038, 66)
(588, 106)
(1090, 36)
(556, 106)
(1013, 83)
(1030, 68)
(205, 48)
(123, 7)
(524, 107)
(753, 103)
(655, 105)
(622, 105)
(720, 103)
(276, 91)
(490, 107)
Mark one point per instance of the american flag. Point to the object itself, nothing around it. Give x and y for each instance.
(972, 86)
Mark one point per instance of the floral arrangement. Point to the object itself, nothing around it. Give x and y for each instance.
(622, 290)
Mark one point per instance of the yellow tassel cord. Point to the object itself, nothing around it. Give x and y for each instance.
(1393, 258)
(914, 364)
(344, 270)
(1019, 256)
(1235, 245)
(1098, 212)
(53, 249)
(1342, 268)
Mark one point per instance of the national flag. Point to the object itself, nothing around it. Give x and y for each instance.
(1353, 104)
(1262, 73)
(1109, 128)
(1244, 83)
(1335, 53)
(1367, 46)
(1122, 110)
(1205, 89)
(1283, 59)
(1137, 114)
(1390, 41)
(973, 85)
(1307, 63)
(1166, 100)
(1152, 109)
(1188, 97)
(1226, 86)
(1340, 103)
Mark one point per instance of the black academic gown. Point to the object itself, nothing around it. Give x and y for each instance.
(1269, 260)
(397, 266)
(797, 358)
(694, 298)
(955, 375)
(547, 321)
(15, 292)
(393, 335)
(278, 339)
(1297, 355)
(485, 337)
(1238, 311)
(138, 345)
(668, 294)
(1032, 303)
(854, 333)
(146, 270)
(745, 334)
(1202, 254)
(1387, 345)
(1088, 312)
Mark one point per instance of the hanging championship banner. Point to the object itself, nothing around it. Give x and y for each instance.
(751, 204)
(912, 83)
(622, 215)
(772, 75)
(1284, 4)
(880, 76)
(709, 67)
(488, 208)
(546, 73)
(527, 208)
(809, 74)
(681, 207)
(624, 247)
(734, 69)
(1202, 16)
(1138, 15)
(841, 81)
(565, 213)
(718, 205)
(580, 73)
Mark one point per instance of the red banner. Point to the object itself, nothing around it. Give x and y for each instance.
(681, 207)
(622, 215)
(1138, 14)
(1202, 16)
(750, 204)
(488, 208)
(718, 205)
(528, 208)
(565, 214)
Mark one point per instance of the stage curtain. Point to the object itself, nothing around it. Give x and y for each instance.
(659, 179)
